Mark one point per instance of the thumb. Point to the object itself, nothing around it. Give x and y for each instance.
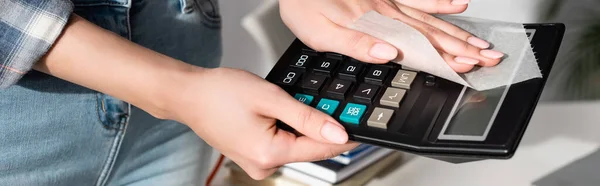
(305, 119)
(355, 44)
(304, 149)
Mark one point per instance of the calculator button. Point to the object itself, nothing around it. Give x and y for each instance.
(309, 51)
(328, 106)
(380, 118)
(313, 83)
(365, 93)
(306, 99)
(377, 74)
(350, 70)
(302, 61)
(334, 55)
(404, 79)
(339, 88)
(409, 69)
(355, 60)
(429, 80)
(352, 113)
(290, 77)
(392, 97)
(325, 66)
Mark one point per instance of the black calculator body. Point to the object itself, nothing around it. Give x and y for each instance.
(391, 106)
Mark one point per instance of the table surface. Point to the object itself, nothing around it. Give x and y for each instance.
(558, 134)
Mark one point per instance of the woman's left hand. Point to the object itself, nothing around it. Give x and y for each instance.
(323, 26)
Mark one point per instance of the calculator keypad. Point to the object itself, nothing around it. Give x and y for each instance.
(328, 106)
(313, 83)
(302, 61)
(366, 93)
(290, 77)
(353, 113)
(404, 79)
(377, 74)
(354, 92)
(325, 66)
(334, 55)
(380, 118)
(306, 99)
(409, 69)
(339, 88)
(392, 97)
(350, 70)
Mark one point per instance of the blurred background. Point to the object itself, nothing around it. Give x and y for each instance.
(561, 144)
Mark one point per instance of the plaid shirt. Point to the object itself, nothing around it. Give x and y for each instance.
(28, 28)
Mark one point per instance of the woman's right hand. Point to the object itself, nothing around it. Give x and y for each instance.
(232, 110)
(235, 112)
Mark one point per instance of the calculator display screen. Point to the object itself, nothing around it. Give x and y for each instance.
(473, 115)
(475, 111)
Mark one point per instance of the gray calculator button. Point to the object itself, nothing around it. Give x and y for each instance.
(392, 97)
(380, 118)
(409, 69)
(403, 79)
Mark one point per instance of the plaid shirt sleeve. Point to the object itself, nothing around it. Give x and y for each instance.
(28, 28)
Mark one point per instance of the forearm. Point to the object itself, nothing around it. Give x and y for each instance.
(90, 56)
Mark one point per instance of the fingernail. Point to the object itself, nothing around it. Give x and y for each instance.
(334, 133)
(466, 60)
(383, 51)
(478, 42)
(491, 54)
(460, 2)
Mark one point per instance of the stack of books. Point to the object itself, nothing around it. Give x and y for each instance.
(355, 167)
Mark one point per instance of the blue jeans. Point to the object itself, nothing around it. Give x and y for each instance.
(53, 132)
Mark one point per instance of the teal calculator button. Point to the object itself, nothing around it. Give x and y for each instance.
(352, 113)
(306, 99)
(328, 106)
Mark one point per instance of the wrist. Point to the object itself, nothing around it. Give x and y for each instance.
(169, 93)
(90, 56)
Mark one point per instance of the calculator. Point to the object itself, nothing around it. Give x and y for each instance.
(396, 107)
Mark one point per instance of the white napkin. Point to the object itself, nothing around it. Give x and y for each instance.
(519, 63)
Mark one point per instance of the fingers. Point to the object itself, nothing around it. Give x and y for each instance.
(305, 149)
(326, 31)
(306, 120)
(489, 57)
(437, 6)
(286, 148)
(256, 172)
(445, 42)
(461, 48)
(443, 25)
(356, 44)
(459, 64)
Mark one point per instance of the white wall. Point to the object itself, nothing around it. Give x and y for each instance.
(239, 49)
(522, 11)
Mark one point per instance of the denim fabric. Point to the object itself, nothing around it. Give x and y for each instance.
(53, 132)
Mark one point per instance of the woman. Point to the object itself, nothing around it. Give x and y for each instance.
(120, 92)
